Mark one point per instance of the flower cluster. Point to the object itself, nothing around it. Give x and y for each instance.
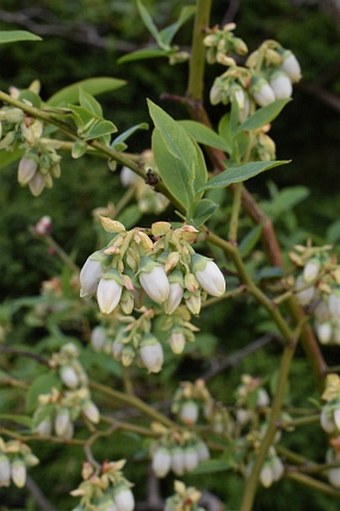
(104, 488)
(156, 268)
(176, 450)
(330, 413)
(268, 75)
(184, 499)
(190, 400)
(272, 469)
(58, 409)
(148, 200)
(40, 163)
(318, 288)
(333, 456)
(251, 398)
(15, 457)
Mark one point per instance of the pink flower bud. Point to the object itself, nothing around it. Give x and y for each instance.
(151, 353)
(155, 283)
(123, 498)
(69, 376)
(18, 470)
(161, 462)
(189, 412)
(108, 294)
(5, 470)
(90, 275)
(209, 275)
(174, 298)
(44, 226)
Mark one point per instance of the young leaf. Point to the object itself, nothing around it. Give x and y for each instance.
(182, 147)
(24, 420)
(126, 134)
(144, 53)
(211, 466)
(88, 102)
(168, 33)
(203, 211)
(13, 36)
(241, 173)
(264, 115)
(93, 86)
(250, 240)
(173, 172)
(204, 135)
(148, 22)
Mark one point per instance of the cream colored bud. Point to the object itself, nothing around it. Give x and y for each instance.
(91, 411)
(306, 295)
(155, 283)
(44, 428)
(69, 376)
(189, 412)
(266, 475)
(62, 422)
(202, 451)
(108, 295)
(324, 332)
(26, 170)
(277, 468)
(18, 470)
(262, 92)
(151, 353)
(334, 304)
(98, 338)
(5, 470)
(161, 462)
(123, 498)
(174, 298)
(190, 458)
(89, 276)
(193, 302)
(281, 85)
(326, 420)
(177, 342)
(311, 270)
(291, 66)
(37, 184)
(177, 461)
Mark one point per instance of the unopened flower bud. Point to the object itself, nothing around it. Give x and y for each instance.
(334, 303)
(262, 398)
(161, 462)
(5, 470)
(44, 428)
(266, 475)
(334, 476)
(117, 349)
(128, 177)
(190, 458)
(189, 412)
(177, 461)
(108, 294)
(37, 184)
(215, 95)
(208, 275)
(151, 353)
(91, 411)
(193, 302)
(177, 342)
(291, 66)
(174, 298)
(262, 92)
(98, 338)
(277, 468)
(18, 470)
(26, 170)
(154, 281)
(311, 270)
(90, 275)
(326, 420)
(69, 376)
(44, 226)
(203, 451)
(62, 422)
(324, 332)
(306, 295)
(123, 498)
(281, 85)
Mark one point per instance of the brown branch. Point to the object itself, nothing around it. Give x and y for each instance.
(24, 353)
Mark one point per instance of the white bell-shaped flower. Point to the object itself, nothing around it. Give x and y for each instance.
(91, 411)
(208, 275)
(291, 66)
(177, 460)
(123, 498)
(151, 353)
(154, 281)
(281, 85)
(69, 376)
(189, 412)
(311, 270)
(177, 342)
(174, 297)
(5, 470)
(190, 458)
(161, 462)
(109, 292)
(89, 276)
(18, 471)
(262, 92)
(62, 422)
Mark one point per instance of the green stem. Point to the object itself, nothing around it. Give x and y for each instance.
(310, 482)
(135, 402)
(235, 213)
(197, 58)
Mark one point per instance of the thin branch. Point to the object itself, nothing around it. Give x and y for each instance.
(40, 498)
(24, 353)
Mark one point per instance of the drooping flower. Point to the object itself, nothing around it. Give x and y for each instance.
(262, 92)
(109, 292)
(291, 66)
(154, 281)
(90, 275)
(69, 377)
(281, 85)
(174, 298)
(151, 353)
(208, 275)
(123, 498)
(18, 470)
(189, 412)
(161, 461)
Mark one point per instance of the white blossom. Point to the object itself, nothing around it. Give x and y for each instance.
(177, 460)
(281, 85)
(108, 295)
(291, 66)
(62, 422)
(263, 93)
(89, 277)
(123, 498)
(69, 376)
(18, 470)
(5, 470)
(161, 462)
(189, 412)
(174, 298)
(210, 278)
(155, 283)
(151, 353)
(190, 458)
(91, 411)
(177, 342)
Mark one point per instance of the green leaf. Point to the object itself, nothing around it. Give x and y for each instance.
(94, 86)
(99, 129)
(143, 54)
(78, 149)
(179, 144)
(264, 115)
(212, 466)
(203, 211)
(130, 216)
(8, 157)
(168, 33)
(24, 420)
(270, 272)
(89, 125)
(31, 97)
(241, 173)
(88, 102)
(13, 36)
(172, 171)
(249, 241)
(126, 134)
(204, 135)
(41, 385)
(148, 22)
